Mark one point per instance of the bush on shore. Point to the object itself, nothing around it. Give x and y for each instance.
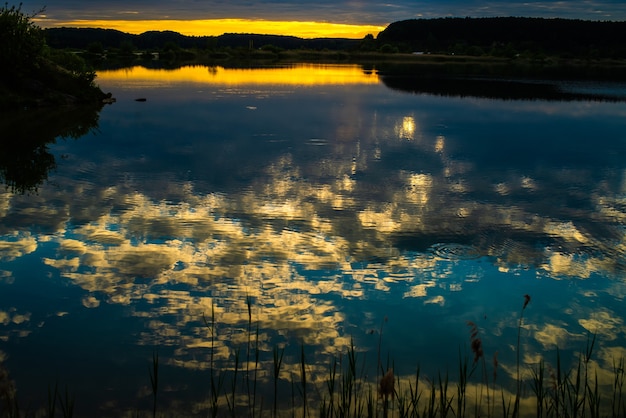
(31, 75)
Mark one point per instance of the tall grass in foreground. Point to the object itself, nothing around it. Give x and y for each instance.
(269, 386)
(345, 390)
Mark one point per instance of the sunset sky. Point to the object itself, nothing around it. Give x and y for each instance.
(304, 18)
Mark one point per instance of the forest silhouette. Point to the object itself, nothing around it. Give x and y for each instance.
(499, 36)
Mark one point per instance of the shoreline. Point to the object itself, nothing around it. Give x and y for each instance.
(550, 67)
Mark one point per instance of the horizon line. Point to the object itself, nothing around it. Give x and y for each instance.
(217, 27)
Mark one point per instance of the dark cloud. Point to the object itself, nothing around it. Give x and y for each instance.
(336, 11)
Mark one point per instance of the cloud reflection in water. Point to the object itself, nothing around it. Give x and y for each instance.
(412, 207)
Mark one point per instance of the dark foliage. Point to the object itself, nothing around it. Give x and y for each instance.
(21, 41)
(506, 35)
(500, 36)
(32, 74)
(82, 38)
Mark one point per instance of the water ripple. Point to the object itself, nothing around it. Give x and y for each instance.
(454, 251)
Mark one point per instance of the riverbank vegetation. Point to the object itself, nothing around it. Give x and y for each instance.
(34, 75)
(506, 37)
(510, 37)
(282, 382)
(461, 47)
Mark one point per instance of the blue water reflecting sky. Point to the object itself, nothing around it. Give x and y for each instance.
(333, 204)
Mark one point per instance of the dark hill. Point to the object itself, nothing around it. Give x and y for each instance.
(81, 38)
(562, 36)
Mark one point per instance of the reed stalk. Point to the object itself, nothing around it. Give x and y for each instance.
(506, 407)
(404, 403)
(618, 408)
(9, 405)
(558, 391)
(567, 392)
(52, 401)
(461, 387)
(323, 409)
(479, 356)
(231, 403)
(444, 403)
(293, 396)
(386, 390)
(278, 361)
(379, 366)
(348, 382)
(345, 396)
(247, 378)
(256, 369)
(518, 391)
(215, 384)
(330, 385)
(370, 404)
(154, 380)
(303, 381)
(590, 394)
(359, 387)
(431, 407)
(67, 403)
(537, 386)
(594, 398)
(415, 393)
(576, 399)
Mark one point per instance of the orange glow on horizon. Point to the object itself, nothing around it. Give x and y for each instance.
(301, 75)
(216, 27)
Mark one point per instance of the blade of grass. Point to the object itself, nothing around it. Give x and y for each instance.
(330, 385)
(444, 402)
(303, 380)
(278, 360)
(461, 388)
(231, 402)
(415, 393)
(594, 398)
(519, 379)
(247, 379)
(537, 386)
(52, 400)
(154, 380)
(216, 384)
(67, 404)
(618, 388)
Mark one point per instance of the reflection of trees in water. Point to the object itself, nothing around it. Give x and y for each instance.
(26, 160)
(487, 82)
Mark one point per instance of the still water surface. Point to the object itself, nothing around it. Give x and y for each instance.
(340, 203)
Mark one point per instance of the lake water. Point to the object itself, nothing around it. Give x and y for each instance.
(322, 205)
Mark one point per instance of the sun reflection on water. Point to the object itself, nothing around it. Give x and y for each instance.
(294, 75)
(406, 129)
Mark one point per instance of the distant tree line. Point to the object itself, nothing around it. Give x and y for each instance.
(508, 36)
(83, 38)
(498, 36)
